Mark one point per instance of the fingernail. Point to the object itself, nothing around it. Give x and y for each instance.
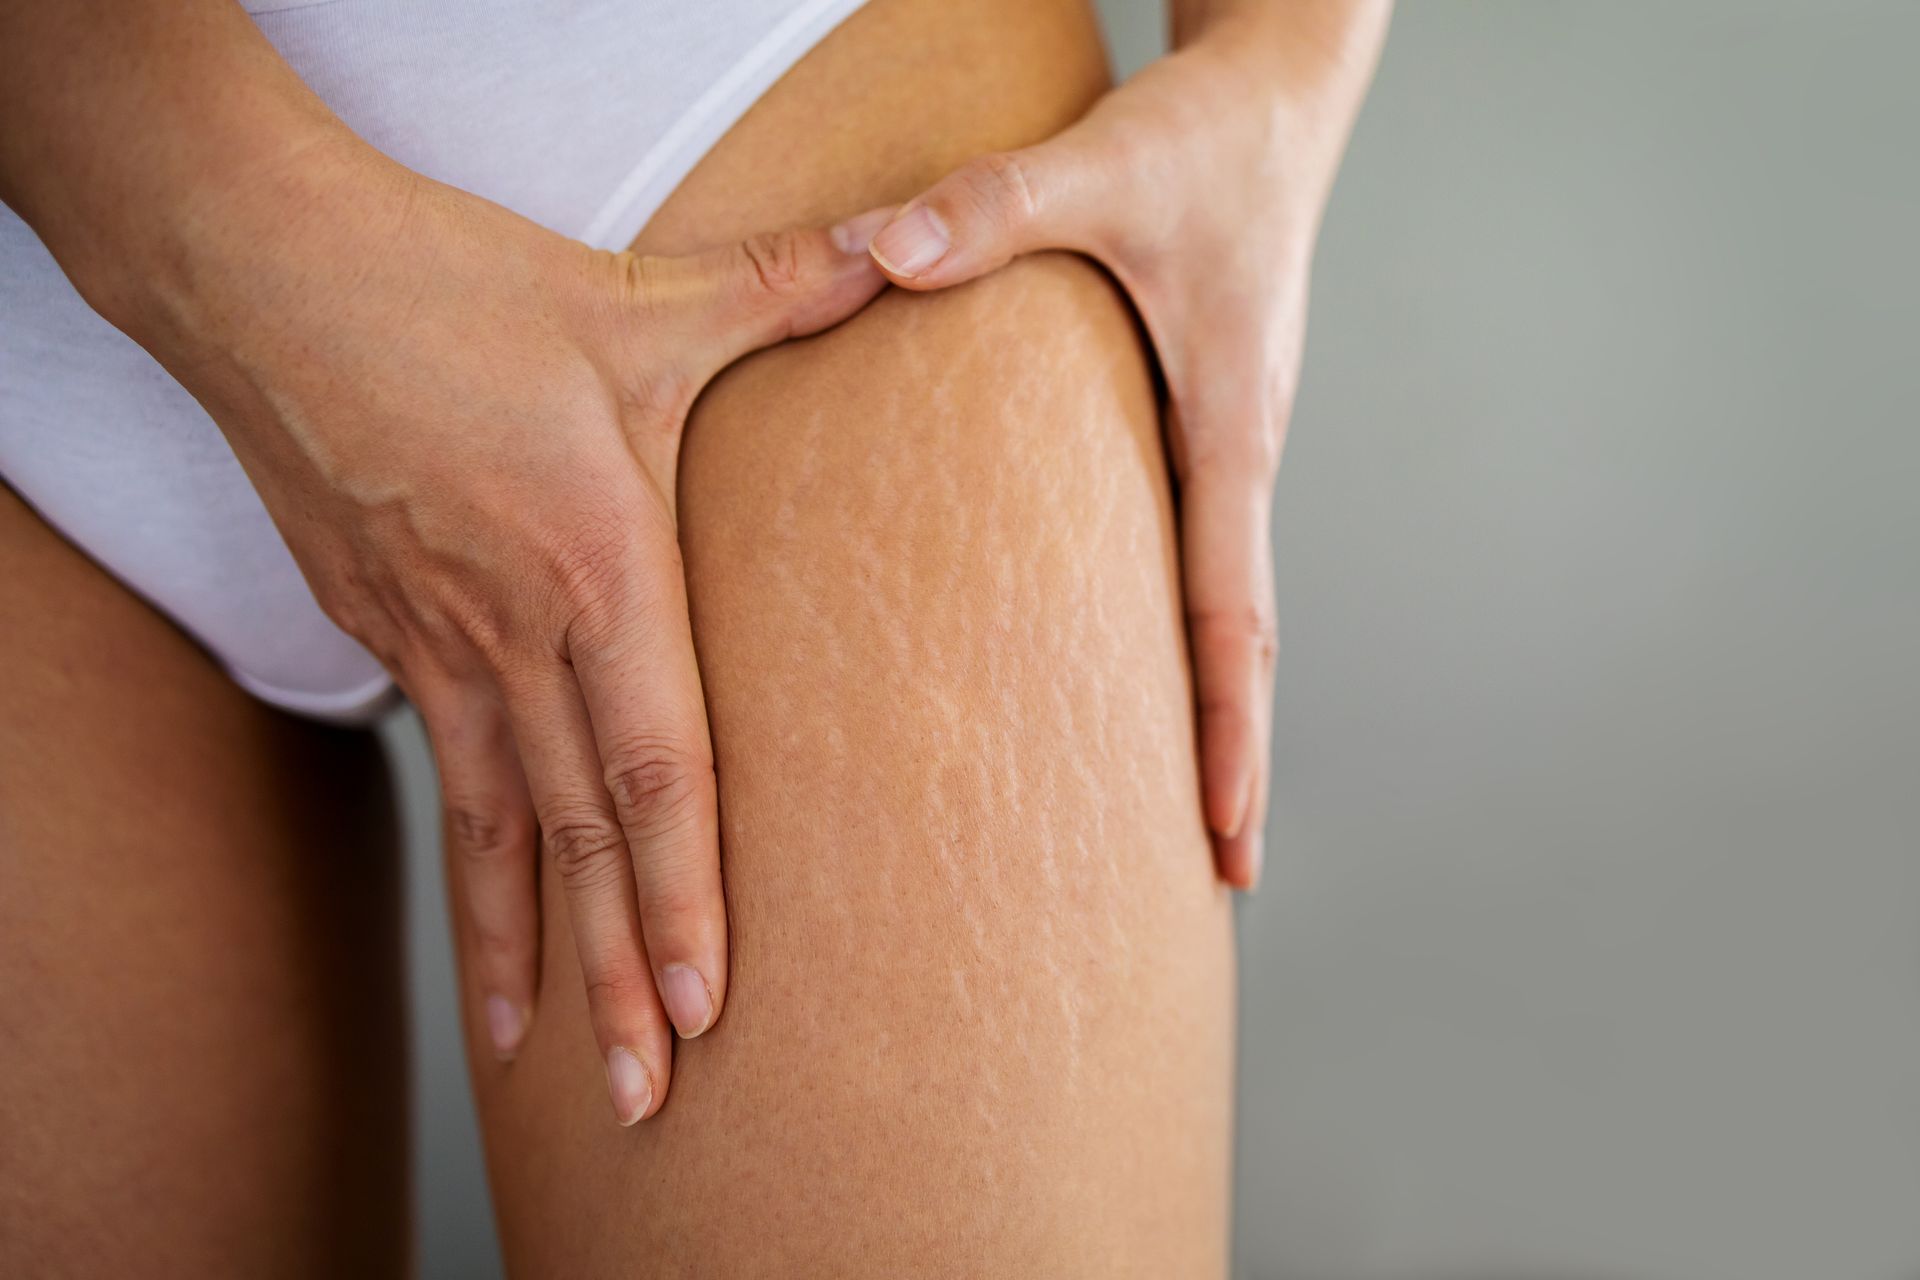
(1239, 806)
(630, 1085)
(912, 242)
(856, 233)
(688, 1001)
(505, 1025)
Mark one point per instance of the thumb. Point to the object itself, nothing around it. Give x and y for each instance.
(730, 301)
(990, 210)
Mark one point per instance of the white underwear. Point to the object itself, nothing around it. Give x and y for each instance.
(582, 115)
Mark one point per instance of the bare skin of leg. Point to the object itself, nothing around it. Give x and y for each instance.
(201, 1049)
(980, 1013)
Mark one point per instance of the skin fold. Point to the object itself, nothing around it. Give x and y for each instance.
(980, 1019)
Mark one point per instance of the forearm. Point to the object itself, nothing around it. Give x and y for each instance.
(136, 136)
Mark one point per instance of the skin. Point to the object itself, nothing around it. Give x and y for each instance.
(379, 350)
(981, 1022)
(988, 990)
(982, 1018)
(991, 990)
(1199, 183)
(550, 656)
(202, 1055)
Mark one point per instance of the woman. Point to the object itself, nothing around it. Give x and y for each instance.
(973, 954)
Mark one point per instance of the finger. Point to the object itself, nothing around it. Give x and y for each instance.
(766, 289)
(589, 855)
(980, 216)
(1227, 573)
(1241, 858)
(637, 672)
(493, 861)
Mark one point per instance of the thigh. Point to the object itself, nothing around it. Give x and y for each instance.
(980, 1013)
(200, 1021)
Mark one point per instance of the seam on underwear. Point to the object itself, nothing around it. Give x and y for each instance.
(699, 127)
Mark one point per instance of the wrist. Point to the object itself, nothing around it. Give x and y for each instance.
(1304, 65)
(145, 140)
(1318, 53)
(232, 247)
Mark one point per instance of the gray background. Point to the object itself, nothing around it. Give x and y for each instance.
(1587, 950)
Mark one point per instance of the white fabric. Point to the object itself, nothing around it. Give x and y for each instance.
(582, 115)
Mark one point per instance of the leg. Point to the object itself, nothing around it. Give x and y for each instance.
(980, 1020)
(200, 1049)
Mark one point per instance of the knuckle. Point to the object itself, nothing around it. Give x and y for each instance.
(639, 280)
(498, 946)
(616, 989)
(774, 260)
(1001, 185)
(673, 904)
(619, 607)
(588, 570)
(474, 620)
(1224, 632)
(586, 849)
(658, 784)
(1238, 454)
(477, 831)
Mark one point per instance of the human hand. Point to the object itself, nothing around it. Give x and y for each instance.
(467, 428)
(1199, 184)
